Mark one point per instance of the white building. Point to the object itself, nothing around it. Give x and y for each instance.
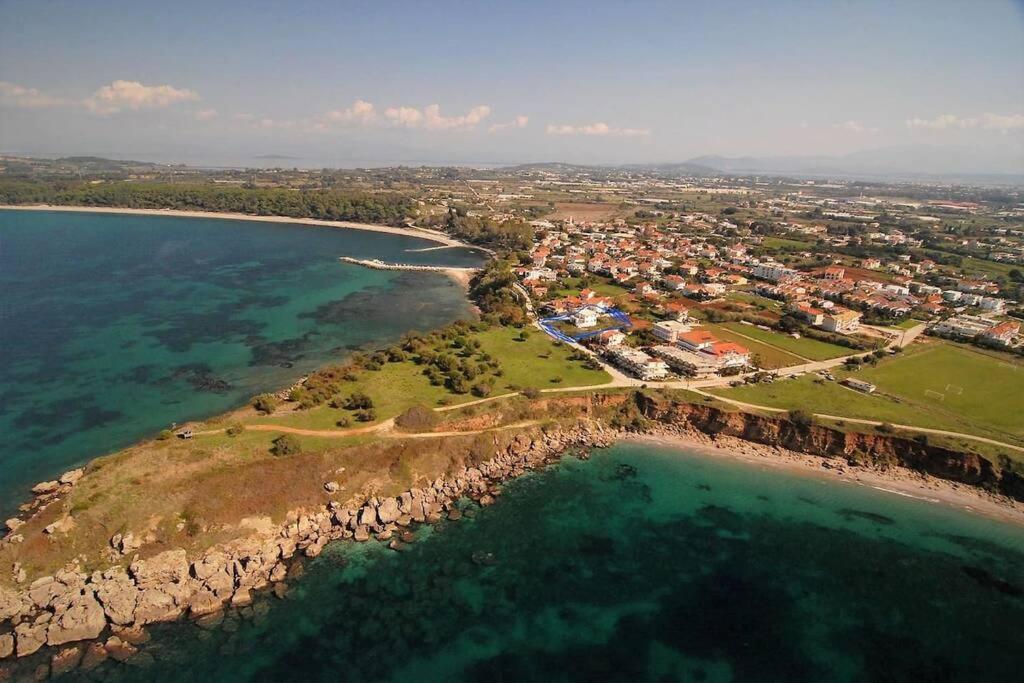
(773, 272)
(639, 363)
(585, 317)
(669, 330)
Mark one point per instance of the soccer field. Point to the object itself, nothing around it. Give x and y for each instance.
(938, 386)
(983, 388)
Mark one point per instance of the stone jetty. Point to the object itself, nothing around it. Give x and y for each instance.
(377, 264)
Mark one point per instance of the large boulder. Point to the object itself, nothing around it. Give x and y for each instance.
(6, 645)
(31, 637)
(95, 654)
(368, 515)
(76, 617)
(11, 604)
(65, 661)
(204, 602)
(170, 566)
(388, 511)
(72, 476)
(45, 487)
(44, 590)
(209, 565)
(155, 605)
(118, 595)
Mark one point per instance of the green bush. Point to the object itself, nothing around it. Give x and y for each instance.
(234, 429)
(265, 403)
(286, 444)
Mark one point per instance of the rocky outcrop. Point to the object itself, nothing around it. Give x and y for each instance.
(78, 615)
(70, 606)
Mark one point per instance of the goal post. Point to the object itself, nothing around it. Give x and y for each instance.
(934, 394)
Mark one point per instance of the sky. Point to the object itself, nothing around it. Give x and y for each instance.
(345, 83)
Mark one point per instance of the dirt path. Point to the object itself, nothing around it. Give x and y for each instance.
(873, 423)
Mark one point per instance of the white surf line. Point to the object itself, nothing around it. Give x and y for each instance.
(445, 246)
(905, 494)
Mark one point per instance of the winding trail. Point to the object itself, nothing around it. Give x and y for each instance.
(619, 380)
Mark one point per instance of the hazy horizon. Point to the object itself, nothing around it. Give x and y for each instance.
(457, 83)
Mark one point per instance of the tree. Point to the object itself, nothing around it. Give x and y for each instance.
(286, 444)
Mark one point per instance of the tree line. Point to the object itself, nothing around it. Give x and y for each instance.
(322, 204)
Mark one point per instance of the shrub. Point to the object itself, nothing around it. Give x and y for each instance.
(368, 415)
(234, 429)
(343, 422)
(800, 418)
(885, 428)
(481, 389)
(358, 401)
(417, 419)
(265, 403)
(164, 435)
(286, 444)
(531, 392)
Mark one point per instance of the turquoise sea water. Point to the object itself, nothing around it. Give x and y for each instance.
(642, 564)
(113, 326)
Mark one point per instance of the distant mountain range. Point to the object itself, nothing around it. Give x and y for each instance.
(909, 161)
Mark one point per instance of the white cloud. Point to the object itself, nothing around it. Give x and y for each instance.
(1000, 122)
(518, 122)
(596, 129)
(133, 95)
(361, 112)
(14, 95)
(854, 127)
(431, 119)
(205, 114)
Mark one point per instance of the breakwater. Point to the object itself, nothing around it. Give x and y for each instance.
(377, 264)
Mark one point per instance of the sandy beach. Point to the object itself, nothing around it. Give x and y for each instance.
(420, 233)
(895, 481)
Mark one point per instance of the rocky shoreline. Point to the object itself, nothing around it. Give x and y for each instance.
(75, 620)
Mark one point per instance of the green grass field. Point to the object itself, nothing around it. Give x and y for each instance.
(937, 386)
(804, 347)
(602, 286)
(982, 387)
(754, 300)
(786, 244)
(770, 357)
(535, 362)
(985, 267)
(396, 387)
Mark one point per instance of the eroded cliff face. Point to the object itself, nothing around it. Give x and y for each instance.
(878, 450)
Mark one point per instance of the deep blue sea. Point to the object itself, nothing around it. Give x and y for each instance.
(114, 326)
(642, 564)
